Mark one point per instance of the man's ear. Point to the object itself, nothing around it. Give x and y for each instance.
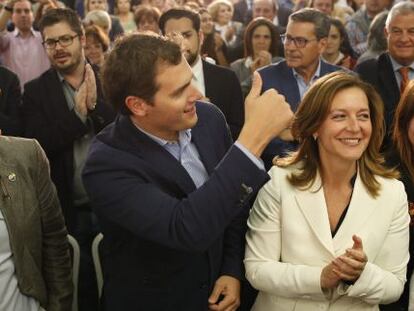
(200, 38)
(82, 39)
(137, 106)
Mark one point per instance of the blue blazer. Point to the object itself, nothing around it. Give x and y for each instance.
(165, 241)
(280, 77)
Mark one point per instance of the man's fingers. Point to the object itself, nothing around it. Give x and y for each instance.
(357, 242)
(256, 85)
(228, 303)
(215, 294)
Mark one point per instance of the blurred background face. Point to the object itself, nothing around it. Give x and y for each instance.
(124, 6)
(400, 39)
(264, 8)
(325, 6)
(22, 16)
(94, 51)
(207, 24)
(334, 41)
(148, 23)
(97, 5)
(307, 56)
(261, 39)
(224, 14)
(375, 6)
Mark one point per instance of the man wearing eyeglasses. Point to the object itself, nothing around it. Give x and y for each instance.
(63, 109)
(304, 42)
(21, 50)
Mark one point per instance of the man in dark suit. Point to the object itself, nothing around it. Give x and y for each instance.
(304, 42)
(262, 8)
(386, 72)
(62, 110)
(10, 101)
(219, 85)
(169, 188)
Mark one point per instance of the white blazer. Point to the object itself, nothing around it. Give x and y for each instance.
(289, 242)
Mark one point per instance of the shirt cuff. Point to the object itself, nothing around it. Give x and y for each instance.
(251, 156)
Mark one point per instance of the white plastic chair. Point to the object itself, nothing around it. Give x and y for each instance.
(97, 262)
(75, 270)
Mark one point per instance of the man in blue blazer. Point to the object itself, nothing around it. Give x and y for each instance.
(168, 187)
(304, 42)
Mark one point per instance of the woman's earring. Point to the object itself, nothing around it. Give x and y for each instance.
(315, 137)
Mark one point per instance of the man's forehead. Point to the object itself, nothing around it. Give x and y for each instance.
(264, 3)
(300, 28)
(23, 4)
(182, 24)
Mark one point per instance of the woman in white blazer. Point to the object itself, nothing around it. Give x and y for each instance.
(329, 231)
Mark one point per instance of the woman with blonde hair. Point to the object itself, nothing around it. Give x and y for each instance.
(330, 229)
(231, 32)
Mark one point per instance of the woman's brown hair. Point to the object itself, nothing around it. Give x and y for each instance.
(313, 111)
(403, 115)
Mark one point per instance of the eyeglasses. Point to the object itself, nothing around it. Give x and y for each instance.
(298, 41)
(64, 41)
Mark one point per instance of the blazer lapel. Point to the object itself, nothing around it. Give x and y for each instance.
(200, 138)
(291, 89)
(313, 206)
(127, 137)
(360, 209)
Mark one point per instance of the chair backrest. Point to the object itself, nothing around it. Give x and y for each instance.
(97, 262)
(75, 252)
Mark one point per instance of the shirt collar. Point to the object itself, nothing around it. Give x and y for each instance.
(184, 137)
(396, 66)
(316, 75)
(198, 69)
(16, 32)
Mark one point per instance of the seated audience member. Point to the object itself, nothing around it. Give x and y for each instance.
(125, 15)
(35, 261)
(328, 7)
(21, 50)
(213, 45)
(218, 85)
(392, 70)
(146, 18)
(96, 45)
(305, 40)
(338, 50)
(358, 25)
(330, 230)
(260, 49)
(377, 41)
(64, 109)
(99, 18)
(41, 9)
(116, 27)
(10, 102)
(170, 190)
(230, 31)
(402, 157)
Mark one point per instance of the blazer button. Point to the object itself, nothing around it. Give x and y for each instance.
(12, 177)
(247, 189)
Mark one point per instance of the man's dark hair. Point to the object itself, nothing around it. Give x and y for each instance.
(55, 16)
(318, 19)
(178, 13)
(132, 66)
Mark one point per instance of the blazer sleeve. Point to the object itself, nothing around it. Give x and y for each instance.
(264, 268)
(56, 262)
(383, 278)
(125, 194)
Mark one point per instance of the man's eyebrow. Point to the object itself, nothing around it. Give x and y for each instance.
(180, 89)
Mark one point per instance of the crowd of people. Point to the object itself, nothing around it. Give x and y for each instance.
(235, 155)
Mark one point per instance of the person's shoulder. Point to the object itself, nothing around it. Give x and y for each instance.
(40, 80)
(14, 149)
(208, 112)
(274, 69)
(371, 65)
